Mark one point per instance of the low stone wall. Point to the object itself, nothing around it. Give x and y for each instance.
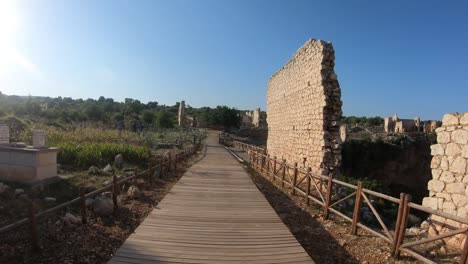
(448, 189)
(304, 109)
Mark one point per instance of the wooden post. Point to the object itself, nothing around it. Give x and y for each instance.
(262, 163)
(175, 162)
(150, 173)
(268, 165)
(294, 179)
(161, 166)
(257, 155)
(398, 222)
(357, 208)
(404, 223)
(83, 205)
(326, 208)
(464, 255)
(33, 228)
(274, 168)
(283, 174)
(169, 163)
(135, 180)
(308, 185)
(115, 191)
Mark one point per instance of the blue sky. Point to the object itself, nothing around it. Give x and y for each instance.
(409, 57)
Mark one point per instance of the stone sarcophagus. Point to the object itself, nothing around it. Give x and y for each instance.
(27, 165)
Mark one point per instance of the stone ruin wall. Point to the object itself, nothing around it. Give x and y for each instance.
(448, 189)
(304, 109)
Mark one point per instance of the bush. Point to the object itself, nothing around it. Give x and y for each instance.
(100, 154)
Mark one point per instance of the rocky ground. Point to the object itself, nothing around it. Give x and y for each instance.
(63, 239)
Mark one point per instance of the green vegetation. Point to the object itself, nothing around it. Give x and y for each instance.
(365, 121)
(105, 112)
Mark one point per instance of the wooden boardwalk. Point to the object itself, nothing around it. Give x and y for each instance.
(214, 214)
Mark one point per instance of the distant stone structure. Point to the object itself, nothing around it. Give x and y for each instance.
(246, 120)
(304, 109)
(431, 126)
(448, 189)
(256, 118)
(397, 125)
(251, 119)
(181, 116)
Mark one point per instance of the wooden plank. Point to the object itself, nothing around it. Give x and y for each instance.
(214, 214)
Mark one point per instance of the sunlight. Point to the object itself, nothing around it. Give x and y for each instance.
(9, 25)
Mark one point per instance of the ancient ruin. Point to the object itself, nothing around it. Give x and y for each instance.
(397, 125)
(251, 119)
(26, 164)
(256, 118)
(448, 189)
(181, 116)
(304, 109)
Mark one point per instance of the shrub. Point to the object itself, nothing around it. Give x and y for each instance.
(100, 154)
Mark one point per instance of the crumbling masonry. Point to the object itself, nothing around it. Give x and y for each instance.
(448, 189)
(304, 109)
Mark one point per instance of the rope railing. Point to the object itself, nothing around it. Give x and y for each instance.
(320, 188)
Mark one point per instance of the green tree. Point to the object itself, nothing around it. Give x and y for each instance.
(164, 120)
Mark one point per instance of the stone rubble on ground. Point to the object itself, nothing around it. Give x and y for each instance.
(71, 220)
(19, 192)
(133, 192)
(118, 161)
(108, 169)
(50, 199)
(103, 206)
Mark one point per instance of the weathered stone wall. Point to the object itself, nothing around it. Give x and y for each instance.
(448, 189)
(304, 109)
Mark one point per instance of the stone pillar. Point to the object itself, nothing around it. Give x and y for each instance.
(38, 138)
(256, 118)
(181, 116)
(448, 189)
(4, 134)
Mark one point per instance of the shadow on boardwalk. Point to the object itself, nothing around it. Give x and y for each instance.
(311, 234)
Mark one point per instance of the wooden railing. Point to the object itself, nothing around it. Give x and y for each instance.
(320, 190)
(163, 164)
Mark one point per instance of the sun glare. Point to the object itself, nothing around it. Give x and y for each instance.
(9, 25)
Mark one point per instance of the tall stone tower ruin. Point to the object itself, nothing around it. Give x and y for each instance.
(181, 116)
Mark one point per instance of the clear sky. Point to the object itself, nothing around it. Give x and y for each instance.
(409, 57)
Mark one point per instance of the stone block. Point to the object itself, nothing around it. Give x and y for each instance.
(450, 120)
(460, 136)
(464, 119)
(430, 202)
(436, 186)
(447, 177)
(437, 150)
(452, 149)
(458, 165)
(443, 137)
(454, 188)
